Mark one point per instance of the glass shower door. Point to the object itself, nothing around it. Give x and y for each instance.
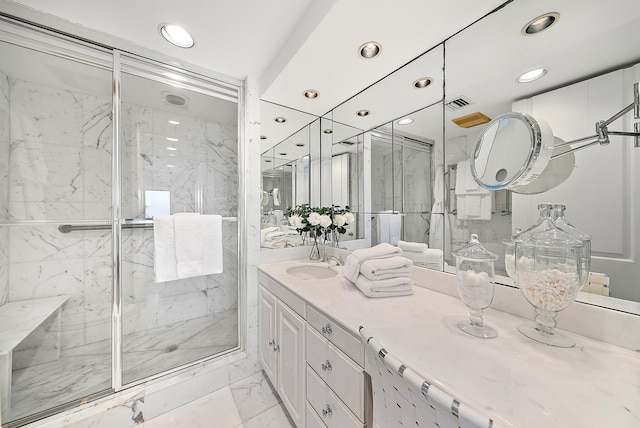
(178, 155)
(55, 171)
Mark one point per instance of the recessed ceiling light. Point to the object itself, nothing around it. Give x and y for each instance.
(171, 148)
(423, 82)
(170, 166)
(532, 75)
(263, 137)
(328, 131)
(177, 35)
(311, 94)
(300, 145)
(405, 121)
(363, 113)
(280, 119)
(282, 154)
(174, 122)
(369, 50)
(540, 23)
(172, 139)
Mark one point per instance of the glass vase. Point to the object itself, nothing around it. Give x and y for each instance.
(336, 238)
(314, 253)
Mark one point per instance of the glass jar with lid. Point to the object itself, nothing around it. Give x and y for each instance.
(561, 221)
(476, 282)
(549, 272)
(510, 254)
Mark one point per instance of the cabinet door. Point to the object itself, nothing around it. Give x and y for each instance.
(267, 333)
(290, 372)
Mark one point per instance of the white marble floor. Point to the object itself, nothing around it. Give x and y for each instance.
(249, 403)
(86, 370)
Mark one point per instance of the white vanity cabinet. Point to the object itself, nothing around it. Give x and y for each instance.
(336, 381)
(281, 346)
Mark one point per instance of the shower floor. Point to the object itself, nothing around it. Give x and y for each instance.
(86, 370)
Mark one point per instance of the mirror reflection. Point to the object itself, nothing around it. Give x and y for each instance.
(575, 90)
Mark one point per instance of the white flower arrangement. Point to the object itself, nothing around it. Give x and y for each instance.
(320, 221)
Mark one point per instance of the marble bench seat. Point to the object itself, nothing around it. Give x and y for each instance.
(17, 321)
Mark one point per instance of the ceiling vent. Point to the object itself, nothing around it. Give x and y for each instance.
(458, 103)
(175, 99)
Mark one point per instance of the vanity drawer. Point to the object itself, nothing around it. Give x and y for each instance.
(343, 339)
(327, 405)
(337, 370)
(312, 418)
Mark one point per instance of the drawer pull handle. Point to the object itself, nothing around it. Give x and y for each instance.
(327, 366)
(326, 412)
(326, 329)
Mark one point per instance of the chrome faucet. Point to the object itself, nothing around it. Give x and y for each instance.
(327, 259)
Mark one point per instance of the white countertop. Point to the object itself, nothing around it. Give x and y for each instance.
(513, 379)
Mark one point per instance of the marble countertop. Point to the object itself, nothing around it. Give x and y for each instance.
(513, 379)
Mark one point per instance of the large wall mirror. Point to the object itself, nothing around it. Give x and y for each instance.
(589, 61)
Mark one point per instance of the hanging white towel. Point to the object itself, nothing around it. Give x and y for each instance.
(383, 228)
(472, 200)
(395, 228)
(187, 245)
(164, 249)
(213, 250)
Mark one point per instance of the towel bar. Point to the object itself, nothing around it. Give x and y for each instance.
(127, 224)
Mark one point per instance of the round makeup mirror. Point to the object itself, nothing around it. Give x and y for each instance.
(514, 152)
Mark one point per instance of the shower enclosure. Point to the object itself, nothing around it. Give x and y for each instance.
(93, 144)
(401, 173)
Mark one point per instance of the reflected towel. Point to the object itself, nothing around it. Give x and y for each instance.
(413, 246)
(351, 268)
(391, 267)
(274, 236)
(265, 231)
(431, 256)
(275, 244)
(384, 288)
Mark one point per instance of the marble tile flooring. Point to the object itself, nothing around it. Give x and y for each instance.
(249, 403)
(86, 370)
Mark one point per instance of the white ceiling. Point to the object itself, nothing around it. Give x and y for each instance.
(290, 45)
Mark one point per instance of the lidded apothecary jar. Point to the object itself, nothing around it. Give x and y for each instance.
(561, 221)
(549, 272)
(510, 254)
(476, 282)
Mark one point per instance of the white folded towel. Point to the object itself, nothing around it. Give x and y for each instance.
(274, 236)
(432, 255)
(275, 244)
(391, 267)
(213, 250)
(413, 246)
(384, 288)
(351, 267)
(263, 233)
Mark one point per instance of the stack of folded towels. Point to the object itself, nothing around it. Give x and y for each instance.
(421, 255)
(279, 237)
(379, 271)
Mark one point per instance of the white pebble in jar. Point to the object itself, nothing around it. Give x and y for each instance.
(476, 290)
(549, 289)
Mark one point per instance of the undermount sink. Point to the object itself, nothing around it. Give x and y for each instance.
(312, 272)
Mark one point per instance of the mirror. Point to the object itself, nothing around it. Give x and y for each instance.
(578, 89)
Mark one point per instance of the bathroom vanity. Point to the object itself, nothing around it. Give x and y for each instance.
(311, 350)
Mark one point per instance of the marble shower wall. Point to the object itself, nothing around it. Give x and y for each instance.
(60, 162)
(4, 184)
(60, 170)
(201, 176)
